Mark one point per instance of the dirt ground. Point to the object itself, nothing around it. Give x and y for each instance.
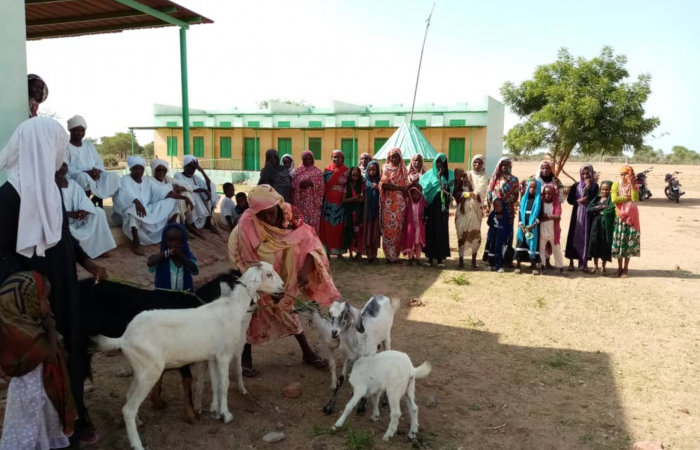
(519, 362)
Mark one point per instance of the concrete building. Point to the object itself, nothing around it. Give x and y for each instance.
(238, 140)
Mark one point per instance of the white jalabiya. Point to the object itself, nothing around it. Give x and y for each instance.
(31, 421)
(228, 209)
(183, 210)
(152, 196)
(85, 158)
(35, 152)
(468, 223)
(93, 233)
(547, 237)
(202, 207)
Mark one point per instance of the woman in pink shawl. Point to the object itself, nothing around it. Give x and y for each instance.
(270, 231)
(626, 237)
(393, 190)
(307, 190)
(416, 169)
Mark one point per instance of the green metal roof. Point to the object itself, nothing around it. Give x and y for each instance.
(411, 142)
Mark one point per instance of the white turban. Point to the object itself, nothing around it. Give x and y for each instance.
(132, 161)
(158, 162)
(188, 159)
(76, 121)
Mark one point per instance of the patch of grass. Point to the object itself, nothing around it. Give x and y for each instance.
(562, 361)
(319, 431)
(473, 322)
(359, 440)
(422, 442)
(540, 302)
(476, 407)
(459, 280)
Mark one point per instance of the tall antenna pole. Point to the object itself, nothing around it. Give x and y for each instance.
(415, 92)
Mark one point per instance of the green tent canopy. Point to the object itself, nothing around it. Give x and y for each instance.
(411, 142)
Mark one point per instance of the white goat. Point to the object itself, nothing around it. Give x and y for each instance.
(391, 372)
(330, 345)
(161, 339)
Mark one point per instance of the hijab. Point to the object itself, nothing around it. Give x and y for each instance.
(33, 103)
(338, 170)
(432, 183)
(33, 155)
(498, 174)
(538, 173)
(413, 174)
(276, 175)
(291, 168)
(363, 169)
(582, 182)
(394, 174)
(163, 267)
(372, 195)
(628, 211)
(534, 213)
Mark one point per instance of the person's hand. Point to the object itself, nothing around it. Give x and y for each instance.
(303, 277)
(522, 228)
(96, 174)
(188, 202)
(140, 210)
(179, 189)
(82, 215)
(97, 271)
(73, 215)
(207, 195)
(374, 185)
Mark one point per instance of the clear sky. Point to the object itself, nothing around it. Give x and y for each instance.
(366, 52)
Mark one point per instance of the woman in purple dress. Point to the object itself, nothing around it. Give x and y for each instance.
(578, 239)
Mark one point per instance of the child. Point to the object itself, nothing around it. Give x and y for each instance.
(174, 266)
(603, 211)
(353, 203)
(550, 229)
(227, 207)
(40, 412)
(499, 230)
(413, 233)
(371, 233)
(241, 206)
(528, 226)
(467, 216)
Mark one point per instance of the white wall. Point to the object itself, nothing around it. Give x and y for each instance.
(13, 67)
(494, 133)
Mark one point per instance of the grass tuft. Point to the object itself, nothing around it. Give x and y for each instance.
(540, 302)
(473, 322)
(319, 431)
(459, 280)
(359, 440)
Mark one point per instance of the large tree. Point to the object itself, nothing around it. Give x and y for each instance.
(579, 105)
(119, 145)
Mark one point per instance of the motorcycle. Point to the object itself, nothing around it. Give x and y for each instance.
(644, 192)
(673, 187)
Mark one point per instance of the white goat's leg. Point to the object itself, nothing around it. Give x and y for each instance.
(375, 404)
(412, 408)
(395, 405)
(199, 371)
(214, 375)
(356, 397)
(141, 385)
(238, 361)
(223, 362)
(330, 354)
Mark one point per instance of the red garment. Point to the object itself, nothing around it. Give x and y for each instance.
(412, 227)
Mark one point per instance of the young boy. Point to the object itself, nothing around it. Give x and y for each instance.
(228, 215)
(241, 206)
(550, 230)
(499, 230)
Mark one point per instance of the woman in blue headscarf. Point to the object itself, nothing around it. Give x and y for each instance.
(527, 248)
(371, 223)
(175, 265)
(438, 185)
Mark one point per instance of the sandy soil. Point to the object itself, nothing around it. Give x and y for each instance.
(520, 362)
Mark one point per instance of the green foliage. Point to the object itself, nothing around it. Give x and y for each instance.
(149, 150)
(119, 145)
(110, 161)
(459, 280)
(680, 154)
(579, 105)
(359, 440)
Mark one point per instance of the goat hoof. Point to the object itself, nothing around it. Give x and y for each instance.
(243, 391)
(386, 438)
(215, 415)
(328, 410)
(334, 428)
(374, 418)
(412, 435)
(228, 417)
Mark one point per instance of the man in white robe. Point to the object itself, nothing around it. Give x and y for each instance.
(85, 165)
(144, 206)
(159, 172)
(88, 224)
(205, 197)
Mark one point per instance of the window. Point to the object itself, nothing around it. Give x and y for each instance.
(315, 147)
(347, 123)
(225, 124)
(251, 154)
(315, 124)
(254, 124)
(172, 124)
(198, 146)
(379, 143)
(283, 124)
(456, 150)
(172, 146)
(420, 123)
(198, 124)
(382, 123)
(225, 147)
(284, 146)
(458, 122)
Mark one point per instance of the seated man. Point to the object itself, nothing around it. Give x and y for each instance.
(204, 195)
(88, 224)
(86, 167)
(159, 172)
(144, 206)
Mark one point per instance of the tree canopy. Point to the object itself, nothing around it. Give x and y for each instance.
(579, 105)
(119, 145)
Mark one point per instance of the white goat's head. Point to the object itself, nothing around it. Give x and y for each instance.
(343, 317)
(262, 278)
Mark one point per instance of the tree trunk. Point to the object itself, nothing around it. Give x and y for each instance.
(559, 165)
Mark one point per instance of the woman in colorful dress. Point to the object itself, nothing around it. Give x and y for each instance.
(505, 185)
(307, 190)
(416, 169)
(371, 227)
(626, 237)
(579, 237)
(335, 178)
(393, 188)
(438, 186)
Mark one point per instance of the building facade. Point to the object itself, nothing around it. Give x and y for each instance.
(234, 140)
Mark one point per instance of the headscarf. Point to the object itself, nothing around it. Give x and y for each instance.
(632, 177)
(77, 121)
(163, 267)
(556, 210)
(538, 173)
(338, 170)
(25, 344)
(276, 176)
(394, 174)
(497, 173)
(432, 184)
(33, 103)
(607, 213)
(135, 160)
(413, 174)
(480, 157)
(628, 211)
(363, 169)
(372, 195)
(533, 243)
(291, 168)
(509, 191)
(582, 182)
(303, 173)
(33, 155)
(187, 160)
(158, 162)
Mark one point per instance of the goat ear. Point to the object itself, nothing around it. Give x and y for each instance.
(253, 283)
(225, 289)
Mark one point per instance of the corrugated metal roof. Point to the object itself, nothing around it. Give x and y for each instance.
(411, 142)
(62, 18)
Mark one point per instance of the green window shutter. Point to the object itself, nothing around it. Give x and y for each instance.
(225, 124)
(251, 154)
(225, 147)
(284, 146)
(315, 147)
(456, 150)
(347, 123)
(254, 124)
(349, 148)
(382, 123)
(458, 122)
(198, 146)
(379, 143)
(315, 124)
(284, 124)
(198, 124)
(172, 124)
(172, 146)
(420, 123)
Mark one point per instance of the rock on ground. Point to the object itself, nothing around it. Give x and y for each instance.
(273, 437)
(431, 402)
(293, 390)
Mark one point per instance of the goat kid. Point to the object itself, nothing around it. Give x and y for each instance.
(330, 345)
(158, 340)
(391, 372)
(360, 332)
